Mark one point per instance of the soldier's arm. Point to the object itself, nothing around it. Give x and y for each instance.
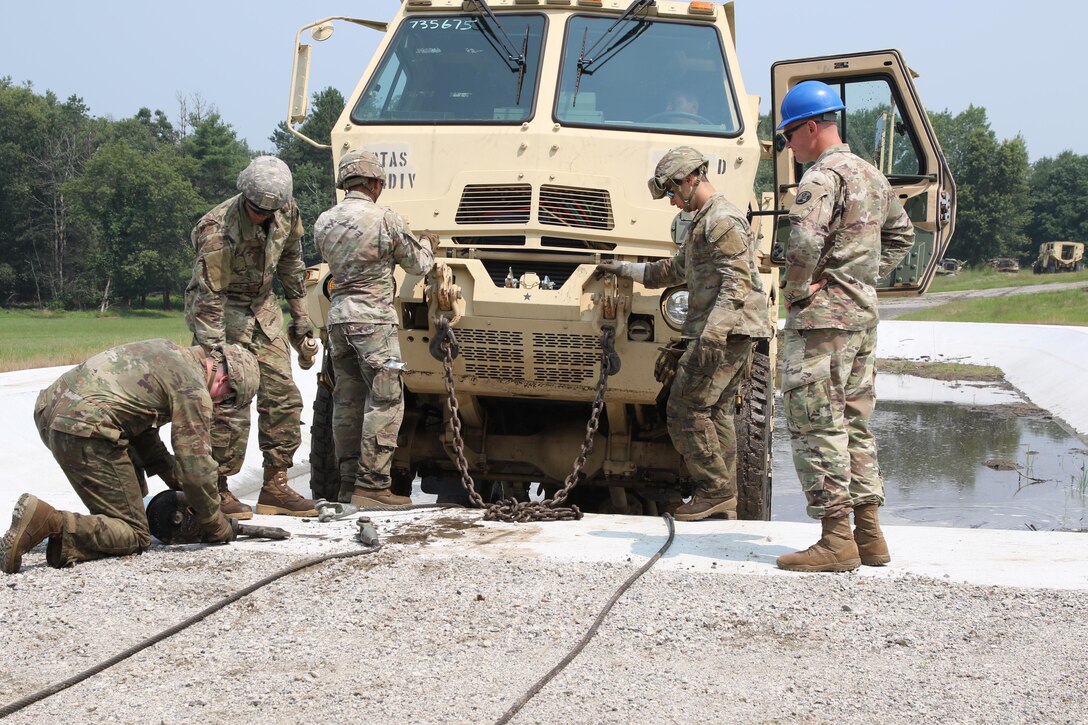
(729, 239)
(415, 255)
(666, 272)
(211, 276)
(290, 269)
(191, 439)
(896, 236)
(810, 219)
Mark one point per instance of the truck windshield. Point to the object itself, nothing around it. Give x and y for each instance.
(646, 75)
(454, 69)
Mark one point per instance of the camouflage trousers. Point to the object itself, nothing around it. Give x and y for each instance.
(828, 388)
(368, 402)
(700, 412)
(279, 411)
(103, 475)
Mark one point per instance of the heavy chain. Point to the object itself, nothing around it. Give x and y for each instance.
(511, 509)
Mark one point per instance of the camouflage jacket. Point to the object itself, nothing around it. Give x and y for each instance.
(231, 288)
(717, 261)
(122, 392)
(362, 242)
(848, 228)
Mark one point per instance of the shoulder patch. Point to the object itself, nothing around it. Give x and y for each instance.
(803, 197)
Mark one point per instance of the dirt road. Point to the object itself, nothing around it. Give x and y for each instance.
(895, 307)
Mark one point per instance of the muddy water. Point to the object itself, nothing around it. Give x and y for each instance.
(934, 456)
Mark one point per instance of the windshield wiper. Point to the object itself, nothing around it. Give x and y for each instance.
(507, 44)
(584, 62)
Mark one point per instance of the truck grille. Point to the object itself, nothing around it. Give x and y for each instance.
(556, 357)
(495, 204)
(565, 358)
(557, 272)
(570, 206)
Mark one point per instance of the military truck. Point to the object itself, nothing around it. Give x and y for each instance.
(1059, 257)
(522, 132)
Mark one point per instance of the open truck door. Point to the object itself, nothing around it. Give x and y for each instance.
(885, 124)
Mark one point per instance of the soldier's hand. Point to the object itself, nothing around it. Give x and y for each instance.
(217, 531)
(299, 329)
(430, 238)
(615, 268)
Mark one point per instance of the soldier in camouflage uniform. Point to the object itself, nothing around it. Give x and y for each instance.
(362, 243)
(727, 312)
(101, 421)
(240, 246)
(848, 229)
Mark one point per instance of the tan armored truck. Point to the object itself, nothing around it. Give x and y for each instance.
(1059, 257)
(522, 132)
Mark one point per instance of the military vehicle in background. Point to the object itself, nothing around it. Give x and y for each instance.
(950, 266)
(1005, 264)
(522, 132)
(1059, 257)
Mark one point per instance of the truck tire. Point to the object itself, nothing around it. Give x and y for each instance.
(324, 469)
(754, 424)
(1051, 267)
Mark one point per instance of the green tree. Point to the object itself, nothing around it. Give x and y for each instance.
(994, 197)
(1059, 186)
(139, 209)
(219, 156)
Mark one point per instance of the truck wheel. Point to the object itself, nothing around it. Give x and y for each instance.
(1052, 266)
(1078, 266)
(753, 425)
(324, 469)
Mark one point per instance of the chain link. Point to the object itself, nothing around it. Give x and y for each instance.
(511, 509)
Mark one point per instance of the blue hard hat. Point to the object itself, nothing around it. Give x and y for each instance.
(808, 99)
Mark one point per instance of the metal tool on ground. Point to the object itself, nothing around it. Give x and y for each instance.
(334, 510)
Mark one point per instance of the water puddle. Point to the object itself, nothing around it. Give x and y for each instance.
(989, 466)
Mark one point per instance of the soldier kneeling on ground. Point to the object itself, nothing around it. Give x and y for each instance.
(101, 419)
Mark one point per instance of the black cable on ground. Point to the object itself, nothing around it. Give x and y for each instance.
(516, 707)
(55, 688)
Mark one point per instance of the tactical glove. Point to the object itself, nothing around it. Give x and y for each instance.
(431, 240)
(217, 531)
(630, 270)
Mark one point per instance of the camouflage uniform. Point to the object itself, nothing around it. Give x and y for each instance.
(727, 310)
(362, 242)
(848, 229)
(230, 298)
(101, 416)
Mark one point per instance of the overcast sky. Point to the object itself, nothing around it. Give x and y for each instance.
(123, 54)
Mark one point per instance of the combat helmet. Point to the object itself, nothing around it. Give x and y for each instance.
(242, 372)
(675, 165)
(266, 183)
(359, 165)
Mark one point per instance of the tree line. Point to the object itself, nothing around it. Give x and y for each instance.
(96, 212)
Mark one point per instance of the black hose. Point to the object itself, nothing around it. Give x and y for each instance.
(76, 679)
(516, 707)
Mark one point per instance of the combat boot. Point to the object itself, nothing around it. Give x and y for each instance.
(229, 504)
(378, 498)
(32, 522)
(872, 547)
(703, 507)
(835, 551)
(277, 498)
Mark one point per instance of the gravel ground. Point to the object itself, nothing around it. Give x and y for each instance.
(441, 626)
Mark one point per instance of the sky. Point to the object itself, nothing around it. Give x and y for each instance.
(123, 54)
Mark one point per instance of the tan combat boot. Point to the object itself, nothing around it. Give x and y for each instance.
(835, 551)
(32, 522)
(378, 498)
(868, 536)
(703, 507)
(277, 498)
(229, 504)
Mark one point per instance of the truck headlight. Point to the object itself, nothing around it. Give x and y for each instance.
(674, 307)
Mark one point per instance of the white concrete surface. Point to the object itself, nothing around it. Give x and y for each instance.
(1040, 361)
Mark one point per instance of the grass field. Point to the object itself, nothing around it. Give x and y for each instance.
(37, 339)
(989, 279)
(1064, 307)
